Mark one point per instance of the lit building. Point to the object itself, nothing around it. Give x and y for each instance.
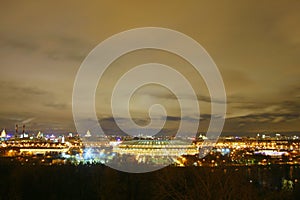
(3, 134)
(156, 148)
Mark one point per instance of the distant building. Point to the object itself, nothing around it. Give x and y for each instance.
(88, 134)
(157, 148)
(3, 134)
(40, 135)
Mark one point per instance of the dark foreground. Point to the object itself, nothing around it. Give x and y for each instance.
(101, 182)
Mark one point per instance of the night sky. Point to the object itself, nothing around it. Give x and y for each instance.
(255, 44)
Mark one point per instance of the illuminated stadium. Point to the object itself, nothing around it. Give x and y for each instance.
(156, 148)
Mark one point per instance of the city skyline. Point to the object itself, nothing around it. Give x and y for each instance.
(256, 50)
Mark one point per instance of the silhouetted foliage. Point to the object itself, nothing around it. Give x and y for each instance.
(101, 182)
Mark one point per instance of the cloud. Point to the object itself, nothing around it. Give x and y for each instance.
(268, 117)
(16, 42)
(27, 120)
(56, 105)
(67, 48)
(173, 118)
(20, 89)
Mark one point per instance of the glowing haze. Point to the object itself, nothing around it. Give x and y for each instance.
(255, 44)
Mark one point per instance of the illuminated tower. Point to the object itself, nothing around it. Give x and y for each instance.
(88, 134)
(3, 134)
(16, 133)
(39, 135)
(23, 132)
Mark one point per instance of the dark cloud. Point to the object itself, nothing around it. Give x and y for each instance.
(201, 98)
(173, 118)
(20, 89)
(68, 48)
(56, 47)
(268, 117)
(17, 42)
